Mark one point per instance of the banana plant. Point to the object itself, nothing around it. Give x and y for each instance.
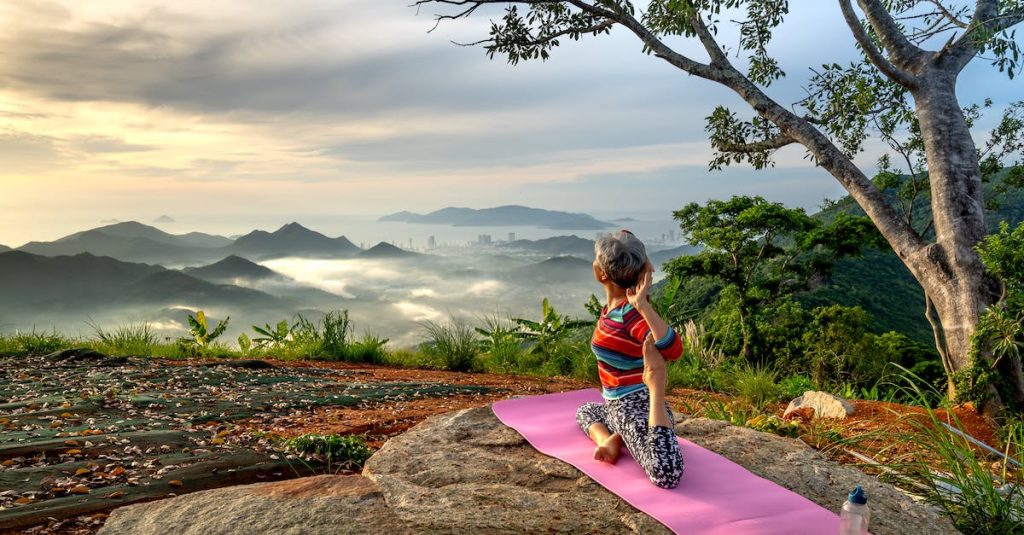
(550, 330)
(199, 331)
(272, 335)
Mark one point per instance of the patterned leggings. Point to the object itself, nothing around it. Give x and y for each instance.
(656, 448)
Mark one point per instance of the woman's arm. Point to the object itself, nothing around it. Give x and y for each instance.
(667, 341)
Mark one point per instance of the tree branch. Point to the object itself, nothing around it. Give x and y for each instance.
(904, 54)
(774, 143)
(871, 51)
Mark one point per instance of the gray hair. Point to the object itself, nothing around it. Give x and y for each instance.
(622, 256)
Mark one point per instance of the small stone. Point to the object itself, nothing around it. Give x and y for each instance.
(175, 483)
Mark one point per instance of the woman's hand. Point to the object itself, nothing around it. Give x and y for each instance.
(638, 296)
(655, 370)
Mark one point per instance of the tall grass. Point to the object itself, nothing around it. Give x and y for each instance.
(33, 343)
(128, 339)
(758, 385)
(452, 345)
(981, 492)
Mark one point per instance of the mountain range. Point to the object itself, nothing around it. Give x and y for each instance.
(135, 242)
(502, 216)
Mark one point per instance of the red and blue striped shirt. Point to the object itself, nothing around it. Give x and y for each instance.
(618, 345)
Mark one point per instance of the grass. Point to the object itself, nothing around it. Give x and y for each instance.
(452, 345)
(33, 343)
(758, 385)
(129, 339)
(980, 492)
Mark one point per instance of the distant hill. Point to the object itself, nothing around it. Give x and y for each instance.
(31, 283)
(386, 250)
(164, 219)
(4, 248)
(556, 245)
(292, 239)
(882, 285)
(232, 268)
(502, 216)
(556, 269)
(130, 241)
(660, 257)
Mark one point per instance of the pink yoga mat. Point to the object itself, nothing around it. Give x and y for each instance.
(715, 496)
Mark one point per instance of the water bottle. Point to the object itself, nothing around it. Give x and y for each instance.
(855, 516)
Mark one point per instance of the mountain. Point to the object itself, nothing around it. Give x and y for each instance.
(386, 250)
(879, 283)
(292, 239)
(658, 258)
(164, 219)
(4, 248)
(556, 269)
(402, 216)
(130, 241)
(556, 245)
(33, 283)
(502, 216)
(231, 268)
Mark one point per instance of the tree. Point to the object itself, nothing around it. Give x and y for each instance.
(913, 52)
(762, 251)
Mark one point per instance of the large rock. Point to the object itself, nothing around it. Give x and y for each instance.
(465, 472)
(322, 504)
(825, 405)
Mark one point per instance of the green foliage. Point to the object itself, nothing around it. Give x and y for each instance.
(129, 339)
(272, 336)
(546, 335)
(33, 343)
(762, 252)
(501, 344)
(336, 451)
(757, 385)
(452, 345)
(979, 496)
(770, 423)
(200, 336)
(794, 386)
(244, 343)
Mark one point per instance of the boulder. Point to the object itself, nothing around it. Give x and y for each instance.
(825, 405)
(322, 504)
(466, 472)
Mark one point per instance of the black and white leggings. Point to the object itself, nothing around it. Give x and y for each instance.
(655, 448)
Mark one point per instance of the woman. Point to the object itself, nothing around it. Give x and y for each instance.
(632, 342)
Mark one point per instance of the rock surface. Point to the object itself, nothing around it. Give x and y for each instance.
(465, 472)
(825, 405)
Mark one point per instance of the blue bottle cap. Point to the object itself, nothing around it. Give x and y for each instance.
(858, 496)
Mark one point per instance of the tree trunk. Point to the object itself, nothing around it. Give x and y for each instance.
(950, 270)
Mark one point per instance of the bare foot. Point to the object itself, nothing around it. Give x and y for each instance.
(609, 450)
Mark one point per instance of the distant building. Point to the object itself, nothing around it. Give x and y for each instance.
(511, 236)
(432, 242)
(484, 239)
(410, 244)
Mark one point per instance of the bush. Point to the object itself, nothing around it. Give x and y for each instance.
(501, 344)
(795, 386)
(757, 385)
(452, 345)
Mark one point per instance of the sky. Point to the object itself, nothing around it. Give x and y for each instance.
(227, 114)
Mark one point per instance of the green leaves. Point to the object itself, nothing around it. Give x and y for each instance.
(200, 335)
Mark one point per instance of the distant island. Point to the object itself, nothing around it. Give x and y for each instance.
(164, 219)
(502, 216)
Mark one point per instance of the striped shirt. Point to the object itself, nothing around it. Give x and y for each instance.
(618, 345)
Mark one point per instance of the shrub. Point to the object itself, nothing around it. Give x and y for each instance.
(757, 385)
(453, 345)
(795, 386)
(501, 344)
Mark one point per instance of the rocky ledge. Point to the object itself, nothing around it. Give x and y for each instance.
(465, 472)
